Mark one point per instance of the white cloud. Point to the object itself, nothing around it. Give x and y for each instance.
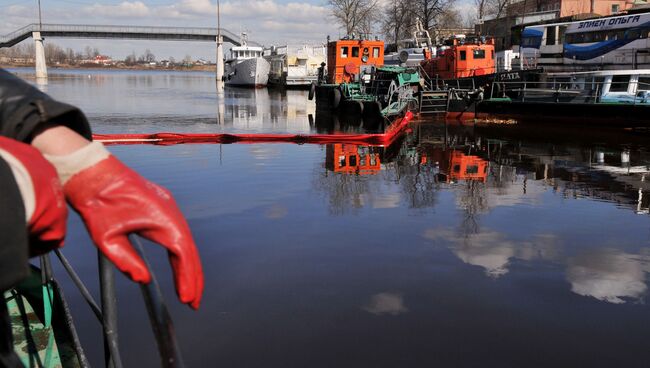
(134, 9)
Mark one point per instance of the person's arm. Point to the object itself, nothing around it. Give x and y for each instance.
(113, 200)
(57, 140)
(24, 111)
(33, 209)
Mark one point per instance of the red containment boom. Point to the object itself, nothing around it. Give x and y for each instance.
(383, 139)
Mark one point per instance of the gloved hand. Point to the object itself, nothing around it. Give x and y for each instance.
(45, 209)
(114, 201)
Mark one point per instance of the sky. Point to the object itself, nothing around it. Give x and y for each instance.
(269, 22)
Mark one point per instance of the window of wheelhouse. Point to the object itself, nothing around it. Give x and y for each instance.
(344, 52)
(463, 55)
(478, 54)
(355, 52)
(619, 83)
(492, 54)
(643, 83)
(550, 36)
(375, 52)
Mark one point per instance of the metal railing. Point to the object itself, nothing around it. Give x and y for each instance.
(159, 316)
(573, 91)
(119, 31)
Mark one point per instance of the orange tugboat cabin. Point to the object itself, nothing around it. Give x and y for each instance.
(463, 57)
(346, 56)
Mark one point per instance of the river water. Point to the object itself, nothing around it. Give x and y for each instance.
(460, 246)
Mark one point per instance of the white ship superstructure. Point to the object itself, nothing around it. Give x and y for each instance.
(246, 66)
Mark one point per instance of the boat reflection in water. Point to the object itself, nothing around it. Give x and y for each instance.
(268, 110)
(487, 173)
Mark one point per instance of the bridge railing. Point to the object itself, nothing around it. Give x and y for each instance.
(60, 29)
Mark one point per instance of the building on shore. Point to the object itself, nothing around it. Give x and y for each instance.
(519, 13)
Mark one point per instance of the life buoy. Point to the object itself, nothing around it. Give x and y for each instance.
(350, 69)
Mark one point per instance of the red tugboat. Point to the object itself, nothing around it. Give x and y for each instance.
(466, 66)
(462, 57)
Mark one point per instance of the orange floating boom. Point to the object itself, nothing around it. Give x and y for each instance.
(383, 139)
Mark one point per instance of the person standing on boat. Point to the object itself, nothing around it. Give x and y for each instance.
(47, 158)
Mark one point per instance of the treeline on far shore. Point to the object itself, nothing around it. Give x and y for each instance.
(24, 54)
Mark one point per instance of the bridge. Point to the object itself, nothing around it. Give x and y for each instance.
(122, 32)
(39, 31)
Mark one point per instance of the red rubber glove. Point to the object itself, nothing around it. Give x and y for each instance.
(115, 201)
(40, 188)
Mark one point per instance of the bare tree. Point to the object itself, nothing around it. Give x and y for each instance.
(356, 16)
(396, 19)
(130, 59)
(430, 11)
(148, 56)
(450, 18)
(481, 8)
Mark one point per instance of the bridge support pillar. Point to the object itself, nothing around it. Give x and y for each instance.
(41, 67)
(220, 66)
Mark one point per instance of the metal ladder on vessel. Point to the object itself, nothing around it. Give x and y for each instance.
(433, 102)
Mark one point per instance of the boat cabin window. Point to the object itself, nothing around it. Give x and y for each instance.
(550, 36)
(633, 34)
(644, 83)
(620, 83)
(344, 52)
(492, 54)
(471, 169)
(375, 52)
(355, 52)
(478, 54)
(463, 55)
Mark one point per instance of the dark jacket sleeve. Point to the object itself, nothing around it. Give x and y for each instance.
(14, 249)
(23, 108)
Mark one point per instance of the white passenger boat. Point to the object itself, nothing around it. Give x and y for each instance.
(616, 42)
(246, 66)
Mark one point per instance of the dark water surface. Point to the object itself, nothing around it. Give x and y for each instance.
(495, 246)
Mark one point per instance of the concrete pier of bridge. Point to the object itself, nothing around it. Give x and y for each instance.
(220, 66)
(39, 50)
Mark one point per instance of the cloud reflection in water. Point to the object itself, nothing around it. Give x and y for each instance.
(492, 251)
(609, 275)
(386, 303)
